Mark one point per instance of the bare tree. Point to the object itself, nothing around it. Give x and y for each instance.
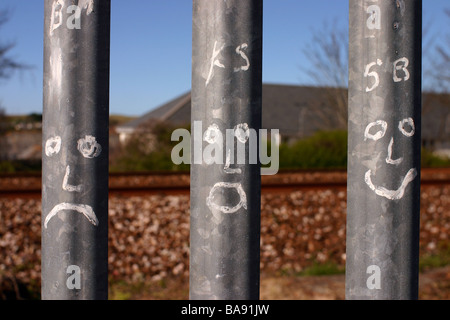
(327, 54)
(8, 65)
(442, 76)
(441, 63)
(3, 128)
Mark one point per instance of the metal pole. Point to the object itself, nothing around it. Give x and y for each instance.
(384, 149)
(75, 150)
(225, 192)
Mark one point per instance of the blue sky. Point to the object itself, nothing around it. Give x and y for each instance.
(151, 47)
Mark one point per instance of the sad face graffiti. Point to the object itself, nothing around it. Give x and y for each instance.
(377, 130)
(89, 148)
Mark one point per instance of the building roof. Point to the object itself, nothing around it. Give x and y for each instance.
(296, 111)
(176, 111)
(285, 107)
(436, 117)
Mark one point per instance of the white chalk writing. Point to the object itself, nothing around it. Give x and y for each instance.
(401, 64)
(374, 21)
(68, 187)
(391, 194)
(373, 74)
(227, 209)
(214, 62)
(379, 134)
(244, 56)
(84, 209)
(389, 157)
(56, 19)
(410, 122)
(89, 147)
(52, 146)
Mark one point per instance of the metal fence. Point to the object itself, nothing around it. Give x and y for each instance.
(383, 149)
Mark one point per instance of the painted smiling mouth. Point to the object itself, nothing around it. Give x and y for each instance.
(391, 194)
(84, 209)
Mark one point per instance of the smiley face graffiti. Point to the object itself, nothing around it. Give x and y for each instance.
(375, 131)
(89, 148)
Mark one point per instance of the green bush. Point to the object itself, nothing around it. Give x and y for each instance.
(430, 160)
(134, 157)
(27, 166)
(325, 149)
(328, 150)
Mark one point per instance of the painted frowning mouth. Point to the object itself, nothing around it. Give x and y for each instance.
(391, 194)
(84, 209)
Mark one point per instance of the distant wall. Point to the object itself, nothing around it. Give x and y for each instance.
(23, 145)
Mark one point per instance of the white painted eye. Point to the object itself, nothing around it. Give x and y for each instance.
(89, 147)
(212, 134)
(378, 134)
(409, 132)
(242, 132)
(53, 146)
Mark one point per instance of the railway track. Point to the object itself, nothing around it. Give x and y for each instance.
(144, 183)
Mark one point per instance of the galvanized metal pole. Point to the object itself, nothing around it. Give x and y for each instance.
(75, 150)
(384, 149)
(225, 192)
